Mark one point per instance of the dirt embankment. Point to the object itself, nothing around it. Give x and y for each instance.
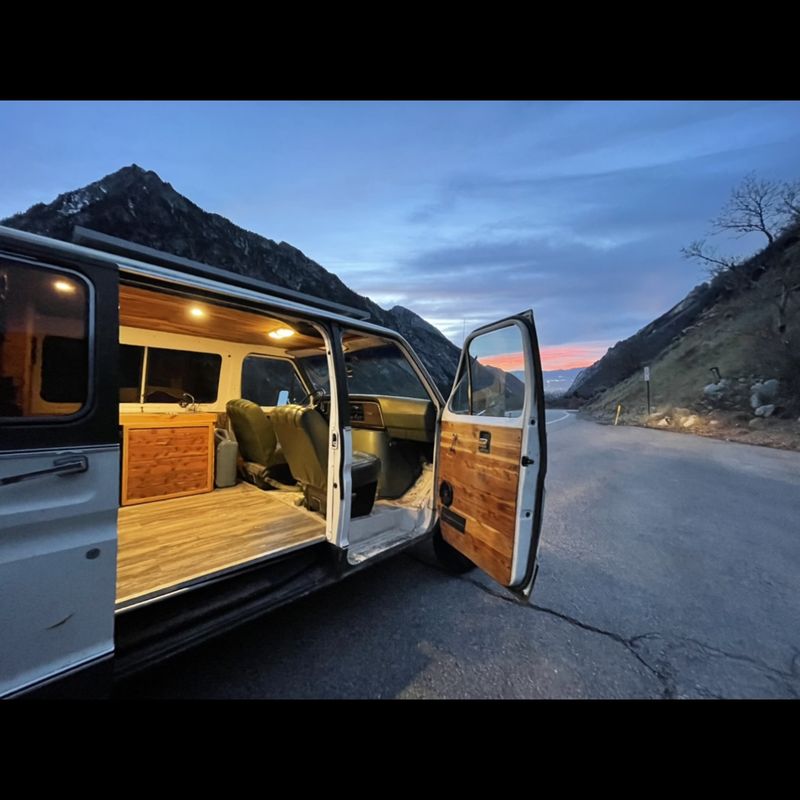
(734, 373)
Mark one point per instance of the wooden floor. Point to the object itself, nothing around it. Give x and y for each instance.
(171, 542)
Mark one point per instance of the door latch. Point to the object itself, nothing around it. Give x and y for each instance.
(484, 441)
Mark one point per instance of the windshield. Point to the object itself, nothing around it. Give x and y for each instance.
(381, 370)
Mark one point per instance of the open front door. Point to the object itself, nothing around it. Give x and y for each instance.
(493, 454)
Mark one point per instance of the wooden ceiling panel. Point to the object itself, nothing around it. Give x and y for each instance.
(154, 311)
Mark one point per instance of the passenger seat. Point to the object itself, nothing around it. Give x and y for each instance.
(258, 444)
(303, 436)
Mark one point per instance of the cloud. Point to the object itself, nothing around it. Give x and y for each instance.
(595, 252)
(573, 355)
(508, 362)
(463, 212)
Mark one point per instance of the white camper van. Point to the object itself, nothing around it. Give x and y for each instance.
(183, 448)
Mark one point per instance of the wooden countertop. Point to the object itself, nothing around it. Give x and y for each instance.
(180, 420)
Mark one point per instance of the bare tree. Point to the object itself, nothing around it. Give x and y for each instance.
(755, 206)
(790, 197)
(723, 270)
(715, 264)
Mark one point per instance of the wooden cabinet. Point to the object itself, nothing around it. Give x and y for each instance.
(166, 455)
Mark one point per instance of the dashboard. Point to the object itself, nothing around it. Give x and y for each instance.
(366, 414)
(401, 417)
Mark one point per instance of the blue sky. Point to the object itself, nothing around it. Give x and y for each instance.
(460, 211)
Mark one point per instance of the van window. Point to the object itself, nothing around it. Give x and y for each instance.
(496, 365)
(131, 360)
(316, 369)
(44, 342)
(270, 381)
(381, 369)
(64, 370)
(173, 373)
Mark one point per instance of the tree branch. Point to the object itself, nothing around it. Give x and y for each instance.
(755, 206)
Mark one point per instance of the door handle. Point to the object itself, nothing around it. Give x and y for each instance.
(61, 467)
(484, 441)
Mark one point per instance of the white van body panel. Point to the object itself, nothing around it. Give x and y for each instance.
(58, 555)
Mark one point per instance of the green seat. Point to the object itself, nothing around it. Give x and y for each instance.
(303, 435)
(256, 437)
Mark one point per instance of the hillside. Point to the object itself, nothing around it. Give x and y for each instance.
(135, 204)
(746, 324)
(629, 355)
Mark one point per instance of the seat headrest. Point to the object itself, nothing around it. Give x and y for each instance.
(288, 415)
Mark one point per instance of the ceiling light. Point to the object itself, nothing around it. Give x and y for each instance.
(64, 286)
(281, 333)
(197, 312)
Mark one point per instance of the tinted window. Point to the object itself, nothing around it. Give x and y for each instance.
(44, 354)
(173, 373)
(270, 381)
(316, 369)
(497, 369)
(382, 370)
(131, 358)
(64, 370)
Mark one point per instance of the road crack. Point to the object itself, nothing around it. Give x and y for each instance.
(660, 673)
(664, 672)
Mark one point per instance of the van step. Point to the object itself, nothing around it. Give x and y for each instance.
(375, 545)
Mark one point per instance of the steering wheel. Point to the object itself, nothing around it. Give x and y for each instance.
(314, 397)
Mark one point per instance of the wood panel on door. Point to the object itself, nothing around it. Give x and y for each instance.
(484, 492)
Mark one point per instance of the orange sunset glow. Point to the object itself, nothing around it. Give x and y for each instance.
(554, 357)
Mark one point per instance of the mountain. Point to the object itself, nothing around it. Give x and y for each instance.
(558, 381)
(135, 204)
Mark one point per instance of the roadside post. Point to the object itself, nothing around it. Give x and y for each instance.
(647, 384)
(619, 409)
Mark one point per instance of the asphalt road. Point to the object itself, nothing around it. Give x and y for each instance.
(669, 567)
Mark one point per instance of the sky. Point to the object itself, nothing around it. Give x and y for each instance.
(464, 212)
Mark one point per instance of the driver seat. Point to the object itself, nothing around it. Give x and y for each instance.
(303, 436)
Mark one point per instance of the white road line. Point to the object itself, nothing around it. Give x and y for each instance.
(566, 416)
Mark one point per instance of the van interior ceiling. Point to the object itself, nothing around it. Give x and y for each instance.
(224, 414)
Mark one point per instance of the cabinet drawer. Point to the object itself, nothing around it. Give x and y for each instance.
(149, 444)
(185, 475)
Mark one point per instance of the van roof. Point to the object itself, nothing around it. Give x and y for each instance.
(122, 253)
(203, 276)
(122, 247)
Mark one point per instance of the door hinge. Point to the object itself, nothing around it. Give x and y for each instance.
(526, 461)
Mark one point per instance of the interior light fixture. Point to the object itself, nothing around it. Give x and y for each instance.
(197, 312)
(64, 286)
(281, 333)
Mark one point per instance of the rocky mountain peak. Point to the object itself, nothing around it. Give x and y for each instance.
(138, 205)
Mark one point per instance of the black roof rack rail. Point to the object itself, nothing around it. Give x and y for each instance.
(122, 247)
